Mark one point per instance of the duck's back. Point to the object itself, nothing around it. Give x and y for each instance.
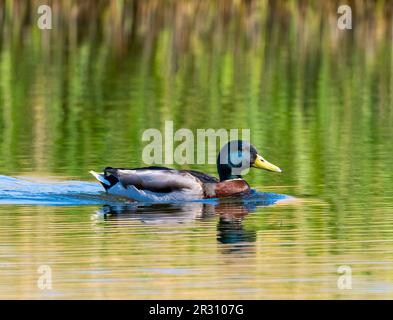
(158, 183)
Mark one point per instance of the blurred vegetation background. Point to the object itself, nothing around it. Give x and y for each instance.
(318, 99)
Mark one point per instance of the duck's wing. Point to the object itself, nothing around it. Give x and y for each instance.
(205, 178)
(156, 179)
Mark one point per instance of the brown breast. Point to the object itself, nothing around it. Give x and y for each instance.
(225, 188)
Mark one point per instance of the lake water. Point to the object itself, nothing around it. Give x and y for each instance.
(319, 104)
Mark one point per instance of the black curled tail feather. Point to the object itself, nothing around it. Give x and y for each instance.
(110, 176)
(109, 170)
(107, 180)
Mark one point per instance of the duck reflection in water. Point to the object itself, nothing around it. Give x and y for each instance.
(231, 213)
(230, 229)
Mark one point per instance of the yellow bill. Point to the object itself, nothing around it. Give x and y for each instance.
(261, 163)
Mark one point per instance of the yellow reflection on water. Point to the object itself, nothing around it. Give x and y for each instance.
(194, 251)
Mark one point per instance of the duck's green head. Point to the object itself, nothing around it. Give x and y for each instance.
(237, 156)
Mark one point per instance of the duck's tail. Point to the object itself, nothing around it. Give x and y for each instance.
(106, 181)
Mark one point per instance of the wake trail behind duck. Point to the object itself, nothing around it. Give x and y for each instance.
(20, 191)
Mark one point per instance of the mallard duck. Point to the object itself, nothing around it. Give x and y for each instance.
(165, 184)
